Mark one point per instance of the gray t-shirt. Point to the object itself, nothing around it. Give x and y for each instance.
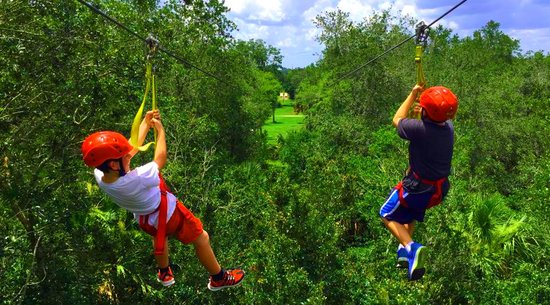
(430, 147)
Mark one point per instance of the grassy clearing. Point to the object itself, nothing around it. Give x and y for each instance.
(286, 120)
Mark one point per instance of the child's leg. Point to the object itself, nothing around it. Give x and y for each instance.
(206, 254)
(410, 228)
(399, 231)
(162, 260)
(165, 275)
(391, 212)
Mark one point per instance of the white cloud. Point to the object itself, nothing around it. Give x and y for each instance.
(237, 6)
(385, 5)
(409, 10)
(271, 10)
(533, 39)
(453, 25)
(320, 6)
(358, 10)
(285, 43)
(249, 31)
(312, 33)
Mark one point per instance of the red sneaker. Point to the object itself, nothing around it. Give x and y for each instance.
(231, 278)
(166, 278)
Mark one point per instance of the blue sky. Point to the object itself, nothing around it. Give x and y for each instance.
(287, 24)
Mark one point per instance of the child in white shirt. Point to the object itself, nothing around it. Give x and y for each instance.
(143, 192)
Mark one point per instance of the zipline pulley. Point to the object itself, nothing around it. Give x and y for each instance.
(422, 32)
(152, 44)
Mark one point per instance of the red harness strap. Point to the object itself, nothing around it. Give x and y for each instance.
(160, 234)
(436, 197)
(400, 189)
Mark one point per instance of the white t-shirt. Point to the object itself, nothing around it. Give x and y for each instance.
(138, 192)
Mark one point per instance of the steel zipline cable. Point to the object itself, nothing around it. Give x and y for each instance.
(398, 45)
(143, 39)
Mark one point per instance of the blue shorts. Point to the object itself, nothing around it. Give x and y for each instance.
(393, 210)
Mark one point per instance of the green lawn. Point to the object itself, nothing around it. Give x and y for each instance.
(285, 121)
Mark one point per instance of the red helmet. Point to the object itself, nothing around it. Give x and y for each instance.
(439, 102)
(104, 145)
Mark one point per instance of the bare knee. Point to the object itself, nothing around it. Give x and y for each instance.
(202, 239)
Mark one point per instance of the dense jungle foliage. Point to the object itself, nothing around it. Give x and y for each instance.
(301, 217)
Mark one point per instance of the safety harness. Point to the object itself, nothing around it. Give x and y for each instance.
(160, 233)
(437, 195)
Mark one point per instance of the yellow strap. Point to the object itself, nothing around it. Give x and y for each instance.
(150, 82)
(420, 79)
(154, 94)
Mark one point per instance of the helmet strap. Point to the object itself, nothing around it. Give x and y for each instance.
(121, 171)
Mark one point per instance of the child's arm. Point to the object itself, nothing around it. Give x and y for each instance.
(160, 149)
(403, 110)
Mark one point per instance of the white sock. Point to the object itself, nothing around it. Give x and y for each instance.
(400, 247)
(408, 246)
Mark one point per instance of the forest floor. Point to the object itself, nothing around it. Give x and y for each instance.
(286, 120)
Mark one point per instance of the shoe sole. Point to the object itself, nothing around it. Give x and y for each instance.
(418, 265)
(402, 263)
(222, 287)
(167, 284)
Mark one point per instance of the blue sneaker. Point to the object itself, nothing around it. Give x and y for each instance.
(417, 259)
(402, 259)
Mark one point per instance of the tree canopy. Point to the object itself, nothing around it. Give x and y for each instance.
(300, 217)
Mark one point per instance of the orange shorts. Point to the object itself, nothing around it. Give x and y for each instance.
(183, 225)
